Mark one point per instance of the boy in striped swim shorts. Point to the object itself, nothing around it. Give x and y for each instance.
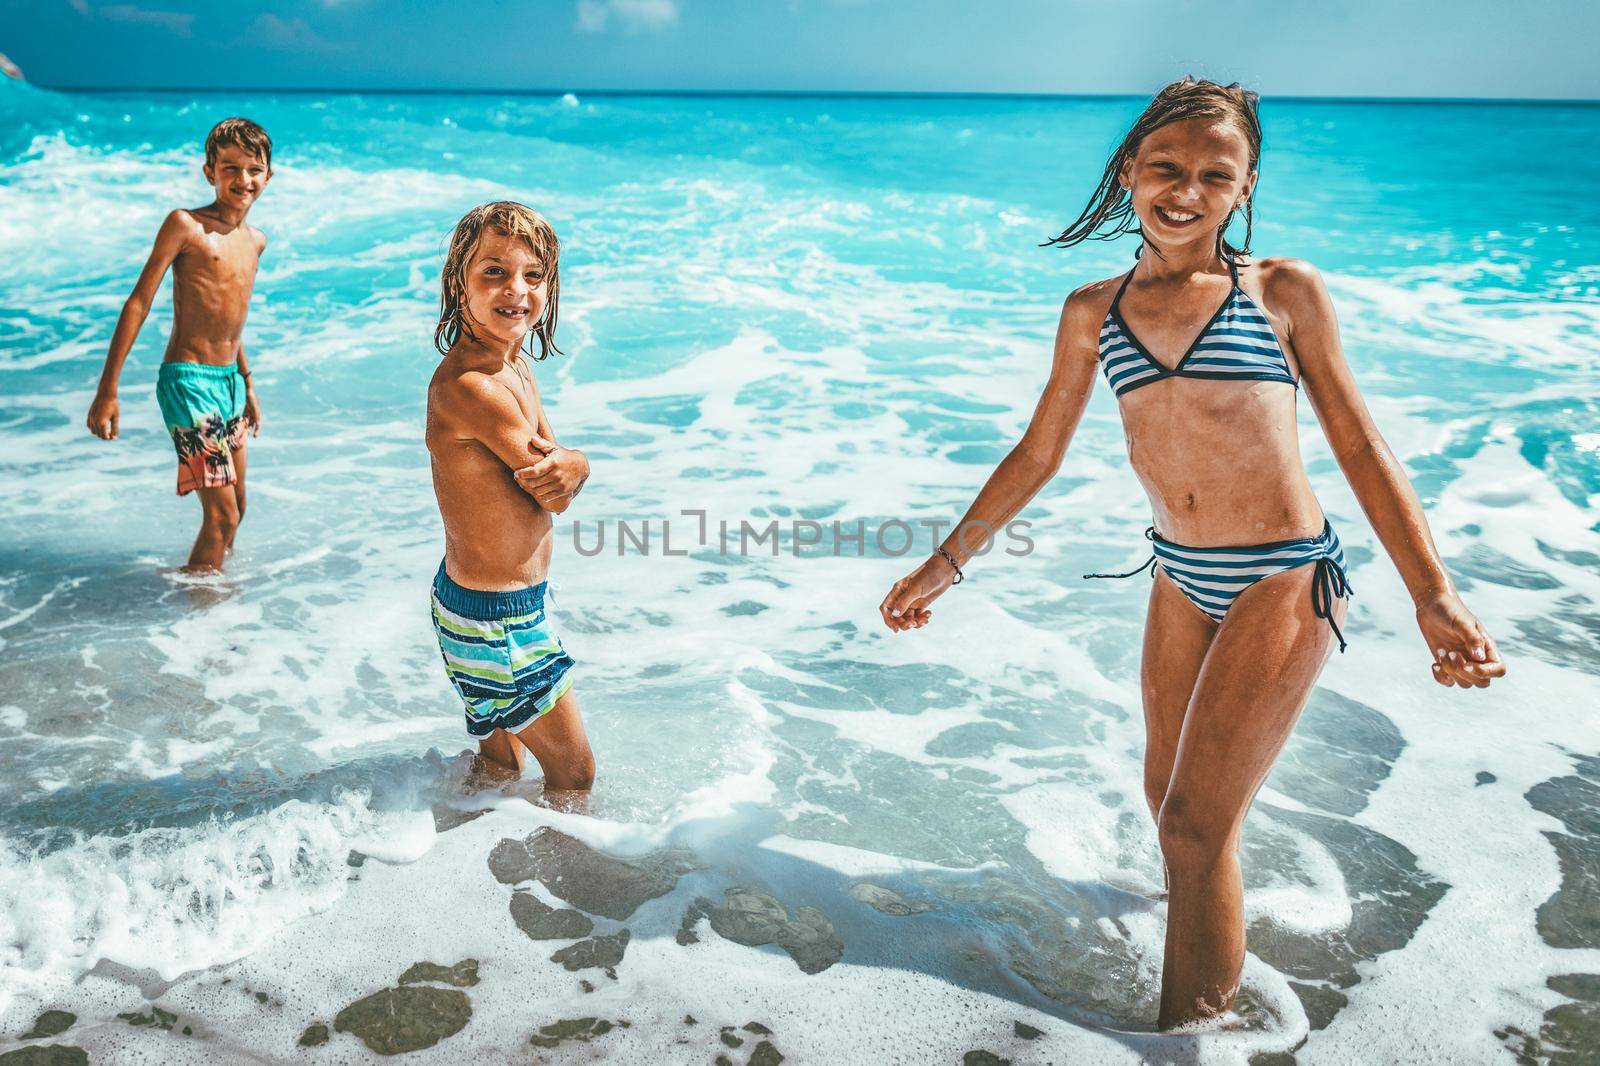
(498, 476)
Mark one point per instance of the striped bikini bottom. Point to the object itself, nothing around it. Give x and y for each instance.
(1212, 578)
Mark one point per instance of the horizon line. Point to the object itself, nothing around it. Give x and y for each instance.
(1510, 101)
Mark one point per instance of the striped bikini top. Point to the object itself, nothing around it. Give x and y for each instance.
(1237, 344)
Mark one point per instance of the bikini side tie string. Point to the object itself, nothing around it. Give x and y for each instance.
(1149, 564)
(1327, 583)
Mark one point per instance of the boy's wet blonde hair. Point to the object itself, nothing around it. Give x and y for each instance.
(509, 219)
(238, 133)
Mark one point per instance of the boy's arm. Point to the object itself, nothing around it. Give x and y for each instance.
(559, 475)
(478, 407)
(104, 413)
(252, 405)
(538, 405)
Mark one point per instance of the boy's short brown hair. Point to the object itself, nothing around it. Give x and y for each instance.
(510, 219)
(238, 133)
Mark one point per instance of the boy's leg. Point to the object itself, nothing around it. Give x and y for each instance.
(219, 520)
(502, 752)
(559, 743)
(238, 488)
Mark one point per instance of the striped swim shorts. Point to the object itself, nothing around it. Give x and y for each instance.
(499, 653)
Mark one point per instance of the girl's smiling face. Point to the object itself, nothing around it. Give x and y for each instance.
(506, 288)
(1186, 179)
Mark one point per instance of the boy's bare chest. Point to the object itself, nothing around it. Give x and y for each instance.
(219, 260)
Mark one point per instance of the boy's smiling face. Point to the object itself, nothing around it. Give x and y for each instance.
(1187, 177)
(238, 175)
(505, 289)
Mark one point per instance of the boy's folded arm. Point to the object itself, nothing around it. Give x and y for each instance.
(542, 427)
(547, 436)
(483, 410)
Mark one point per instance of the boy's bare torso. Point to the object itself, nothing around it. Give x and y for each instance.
(212, 278)
(496, 537)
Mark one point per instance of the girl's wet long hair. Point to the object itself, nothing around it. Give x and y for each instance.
(1110, 213)
(510, 219)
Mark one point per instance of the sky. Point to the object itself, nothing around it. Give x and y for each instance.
(1366, 48)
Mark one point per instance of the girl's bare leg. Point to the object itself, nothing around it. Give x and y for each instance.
(1255, 680)
(1177, 635)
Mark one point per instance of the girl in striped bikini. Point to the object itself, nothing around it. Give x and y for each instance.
(1206, 351)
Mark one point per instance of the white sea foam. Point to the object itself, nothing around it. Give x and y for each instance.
(389, 919)
(176, 900)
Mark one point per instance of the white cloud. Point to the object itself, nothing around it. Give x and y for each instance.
(175, 22)
(591, 15)
(290, 34)
(80, 6)
(632, 15)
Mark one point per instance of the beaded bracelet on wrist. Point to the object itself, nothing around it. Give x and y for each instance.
(960, 577)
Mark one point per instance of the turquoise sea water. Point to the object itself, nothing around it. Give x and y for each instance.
(792, 308)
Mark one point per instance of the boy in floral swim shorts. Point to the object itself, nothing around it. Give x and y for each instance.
(204, 389)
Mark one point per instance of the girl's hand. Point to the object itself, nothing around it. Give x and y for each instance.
(103, 416)
(556, 478)
(1463, 654)
(906, 606)
(252, 412)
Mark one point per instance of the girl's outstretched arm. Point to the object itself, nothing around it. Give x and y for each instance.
(1463, 654)
(1024, 471)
